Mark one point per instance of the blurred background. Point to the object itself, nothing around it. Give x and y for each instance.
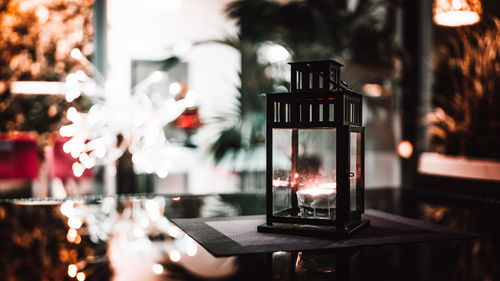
(112, 97)
(118, 101)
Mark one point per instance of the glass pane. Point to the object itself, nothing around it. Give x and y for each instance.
(313, 175)
(355, 174)
(282, 168)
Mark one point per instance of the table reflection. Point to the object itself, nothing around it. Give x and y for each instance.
(340, 265)
(131, 238)
(109, 238)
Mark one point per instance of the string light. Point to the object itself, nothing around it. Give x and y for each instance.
(153, 210)
(66, 208)
(78, 169)
(157, 76)
(76, 54)
(190, 99)
(75, 223)
(137, 119)
(145, 217)
(157, 268)
(67, 131)
(78, 239)
(80, 276)
(191, 249)
(72, 270)
(73, 115)
(144, 222)
(71, 235)
(173, 231)
(175, 88)
(175, 256)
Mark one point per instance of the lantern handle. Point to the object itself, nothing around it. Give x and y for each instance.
(345, 83)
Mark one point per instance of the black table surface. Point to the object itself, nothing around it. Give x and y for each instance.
(238, 235)
(35, 242)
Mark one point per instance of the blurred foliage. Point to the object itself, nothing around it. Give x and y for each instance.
(363, 38)
(322, 29)
(249, 129)
(35, 44)
(36, 40)
(466, 119)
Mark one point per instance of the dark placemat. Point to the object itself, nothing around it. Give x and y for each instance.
(238, 235)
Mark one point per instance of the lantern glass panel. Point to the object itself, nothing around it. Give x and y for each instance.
(282, 168)
(355, 170)
(304, 161)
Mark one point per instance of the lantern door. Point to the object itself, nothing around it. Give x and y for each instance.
(304, 173)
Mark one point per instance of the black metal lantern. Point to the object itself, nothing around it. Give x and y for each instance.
(315, 155)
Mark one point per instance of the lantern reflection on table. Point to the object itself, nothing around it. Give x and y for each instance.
(315, 155)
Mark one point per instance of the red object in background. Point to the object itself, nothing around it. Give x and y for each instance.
(189, 120)
(18, 155)
(186, 121)
(60, 162)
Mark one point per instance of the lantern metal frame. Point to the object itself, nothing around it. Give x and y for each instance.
(315, 85)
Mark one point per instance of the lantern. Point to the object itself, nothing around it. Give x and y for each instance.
(315, 155)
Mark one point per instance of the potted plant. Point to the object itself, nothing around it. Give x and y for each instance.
(359, 37)
(463, 127)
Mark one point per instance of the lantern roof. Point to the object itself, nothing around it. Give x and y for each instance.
(316, 61)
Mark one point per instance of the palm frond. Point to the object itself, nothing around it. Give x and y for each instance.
(466, 120)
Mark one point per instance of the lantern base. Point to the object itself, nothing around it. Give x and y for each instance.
(328, 232)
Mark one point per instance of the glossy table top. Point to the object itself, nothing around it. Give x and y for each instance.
(131, 238)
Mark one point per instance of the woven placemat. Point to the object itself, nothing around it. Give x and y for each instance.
(238, 235)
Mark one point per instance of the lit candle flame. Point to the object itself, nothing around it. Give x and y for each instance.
(332, 185)
(320, 189)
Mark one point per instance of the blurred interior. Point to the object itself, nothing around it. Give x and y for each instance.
(130, 98)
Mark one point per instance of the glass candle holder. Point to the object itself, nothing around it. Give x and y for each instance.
(317, 201)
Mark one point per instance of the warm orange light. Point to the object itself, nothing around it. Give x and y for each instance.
(78, 239)
(316, 191)
(373, 90)
(405, 149)
(71, 236)
(330, 185)
(457, 12)
(80, 276)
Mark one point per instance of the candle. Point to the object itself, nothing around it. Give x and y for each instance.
(318, 201)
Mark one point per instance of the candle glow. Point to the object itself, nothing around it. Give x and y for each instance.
(317, 200)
